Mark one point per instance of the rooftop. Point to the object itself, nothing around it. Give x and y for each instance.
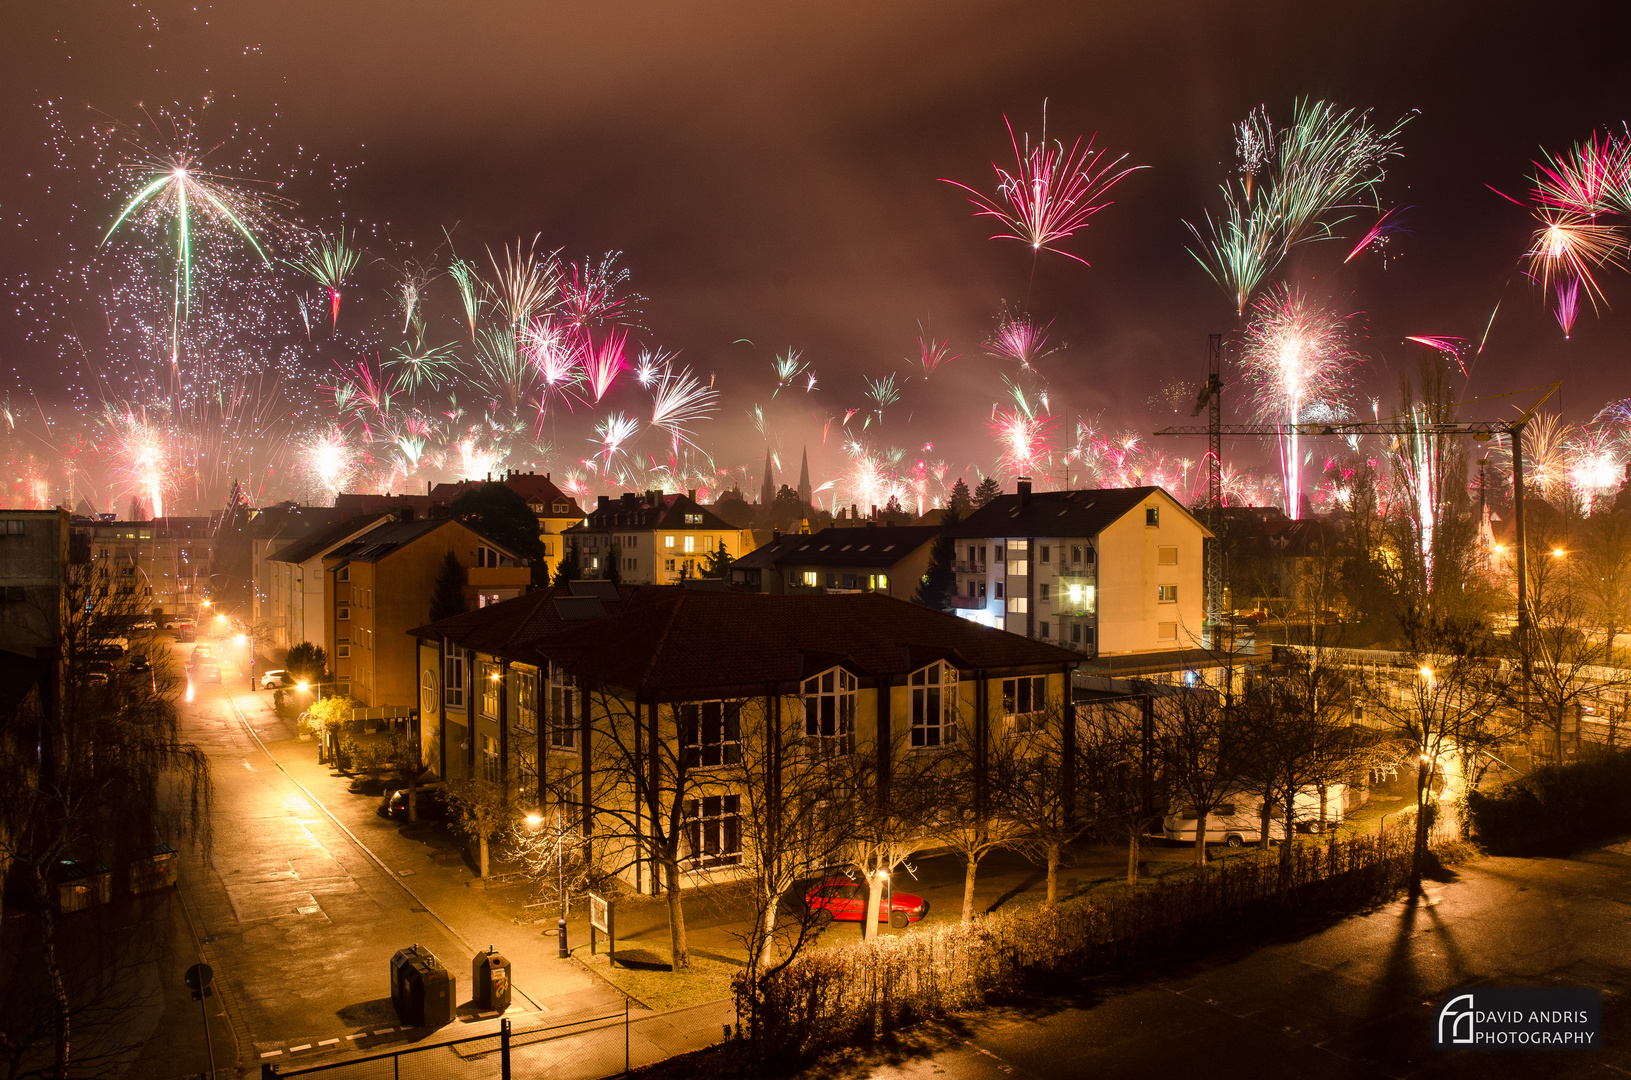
(1082, 512)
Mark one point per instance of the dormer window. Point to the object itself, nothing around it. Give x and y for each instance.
(561, 508)
(693, 519)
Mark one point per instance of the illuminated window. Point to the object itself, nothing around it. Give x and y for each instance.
(1166, 594)
(1152, 516)
(489, 759)
(668, 541)
(489, 690)
(690, 543)
(1018, 605)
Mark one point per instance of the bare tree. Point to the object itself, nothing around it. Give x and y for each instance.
(102, 773)
(986, 793)
(1205, 750)
(1124, 792)
(884, 798)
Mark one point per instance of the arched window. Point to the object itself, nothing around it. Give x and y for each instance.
(829, 712)
(934, 706)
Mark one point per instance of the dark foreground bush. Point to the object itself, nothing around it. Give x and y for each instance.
(847, 994)
(1556, 807)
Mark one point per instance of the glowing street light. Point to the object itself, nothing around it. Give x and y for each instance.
(1427, 674)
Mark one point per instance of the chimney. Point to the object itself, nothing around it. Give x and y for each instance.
(1023, 486)
(605, 501)
(427, 488)
(691, 493)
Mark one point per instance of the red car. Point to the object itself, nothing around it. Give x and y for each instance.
(841, 898)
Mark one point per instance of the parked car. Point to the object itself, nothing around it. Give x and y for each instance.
(840, 898)
(428, 802)
(207, 672)
(369, 784)
(140, 663)
(186, 632)
(1239, 820)
(201, 652)
(276, 678)
(98, 671)
(145, 624)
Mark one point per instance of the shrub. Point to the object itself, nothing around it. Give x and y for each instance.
(838, 995)
(1555, 807)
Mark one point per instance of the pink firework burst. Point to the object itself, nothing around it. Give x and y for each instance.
(1020, 339)
(1452, 347)
(1051, 193)
(1566, 303)
(1026, 440)
(933, 352)
(603, 361)
(1594, 177)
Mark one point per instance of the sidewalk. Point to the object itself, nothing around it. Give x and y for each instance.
(431, 868)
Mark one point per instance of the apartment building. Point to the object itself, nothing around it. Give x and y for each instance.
(542, 693)
(890, 559)
(34, 554)
(656, 539)
(272, 530)
(1102, 571)
(164, 564)
(295, 608)
(378, 586)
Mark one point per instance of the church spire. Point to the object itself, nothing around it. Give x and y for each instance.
(804, 478)
(767, 490)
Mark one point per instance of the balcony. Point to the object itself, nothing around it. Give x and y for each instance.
(966, 567)
(1076, 594)
(972, 603)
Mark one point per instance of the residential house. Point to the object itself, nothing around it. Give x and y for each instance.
(656, 539)
(271, 530)
(555, 686)
(1100, 571)
(295, 607)
(556, 511)
(889, 559)
(379, 585)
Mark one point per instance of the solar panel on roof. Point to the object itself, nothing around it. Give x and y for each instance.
(600, 590)
(579, 608)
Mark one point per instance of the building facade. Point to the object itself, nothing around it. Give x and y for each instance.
(1103, 571)
(888, 559)
(654, 539)
(164, 564)
(296, 611)
(555, 510)
(378, 586)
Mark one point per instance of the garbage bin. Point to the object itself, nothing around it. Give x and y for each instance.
(81, 884)
(490, 980)
(424, 992)
(154, 871)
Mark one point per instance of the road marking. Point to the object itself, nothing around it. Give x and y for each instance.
(358, 1035)
(387, 1031)
(330, 1042)
(272, 1053)
(297, 1049)
(404, 873)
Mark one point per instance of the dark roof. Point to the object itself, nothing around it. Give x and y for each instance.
(530, 486)
(677, 646)
(764, 556)
(18, 675)
(1083, 512)
(387, 539)
(651, 510)
(881, 546)
(512, 628)
(316, 543)
(284, 520)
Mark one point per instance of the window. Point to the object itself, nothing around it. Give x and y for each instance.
(631, 564)
(711, 733)
(829, 712)
(342, 647)
(1075, 633)
(1166, 555)
(998, 586)
(1166, 594)
(1152, 517)
(1088, 556)
(999, 553)
(693, 519)
(1016, 567)
(807, 579)
(1167, 631)
(1046, 551)
(563, 721)
(690, 543)
(15, 594)
(1024, 702)
(668, 542)
(707, 543)
(634, 542)
(668, 564)
(934, 706)
(14, 528)
(713, 830)
(1044, 593)
(489, 690)
(1019, 604)
(558, 508)
(971, 588)
(342, 613)
(1043, 630)
(489, 758)
(1075, 553)
(453, 678)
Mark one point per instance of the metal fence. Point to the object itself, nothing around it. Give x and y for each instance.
(588, 1048)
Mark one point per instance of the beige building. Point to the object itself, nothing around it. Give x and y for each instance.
(378, 586)
(655, 539)
(164, 564)
(1100, 571)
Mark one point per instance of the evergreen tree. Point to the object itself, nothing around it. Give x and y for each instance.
(989, 489)
(568, 568)
(613, 570)
(717, 564)
(447, 598)
(306, 661)
(939, 584)
(501, 515)
(960, 503)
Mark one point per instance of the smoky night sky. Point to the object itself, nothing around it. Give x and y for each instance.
(770, 173)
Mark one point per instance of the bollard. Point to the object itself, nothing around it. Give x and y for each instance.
(560, 929)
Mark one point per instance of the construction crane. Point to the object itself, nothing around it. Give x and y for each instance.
(1480, 430)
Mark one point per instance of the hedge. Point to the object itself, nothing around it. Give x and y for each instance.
(1555, 807)
(841, 995)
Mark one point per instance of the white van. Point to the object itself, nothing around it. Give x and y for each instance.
(1239, 819)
